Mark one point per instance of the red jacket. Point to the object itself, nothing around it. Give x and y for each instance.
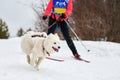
(50, 6)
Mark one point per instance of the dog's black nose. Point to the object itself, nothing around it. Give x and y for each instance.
(58, 47)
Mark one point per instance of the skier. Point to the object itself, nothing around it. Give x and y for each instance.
(59, 10)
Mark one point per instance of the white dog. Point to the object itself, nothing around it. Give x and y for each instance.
(37, 45)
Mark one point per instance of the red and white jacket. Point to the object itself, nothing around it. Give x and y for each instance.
(50, 6)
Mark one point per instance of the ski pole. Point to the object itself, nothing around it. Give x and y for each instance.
(52, 24)
(76, 36)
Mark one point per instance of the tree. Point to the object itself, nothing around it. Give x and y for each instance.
(3, 30)
(29, 30)
(20, 32)
(39, 7)
(97, 19)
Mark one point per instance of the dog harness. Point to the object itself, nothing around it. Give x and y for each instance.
(42, 44)
(45, 51)
(38, 36)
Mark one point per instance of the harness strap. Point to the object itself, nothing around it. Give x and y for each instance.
(45, 50)
(38, 36)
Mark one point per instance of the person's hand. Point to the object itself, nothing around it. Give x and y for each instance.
(44, 17)
(63, 16)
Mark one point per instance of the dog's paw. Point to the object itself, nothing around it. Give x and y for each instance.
(31, 63)
(37, 68)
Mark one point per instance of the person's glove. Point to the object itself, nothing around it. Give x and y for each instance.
(44, 17)
(63, 16)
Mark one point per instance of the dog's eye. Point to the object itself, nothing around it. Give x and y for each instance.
(54, 42)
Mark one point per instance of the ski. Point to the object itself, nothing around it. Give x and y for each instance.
(59, 60)
(84, 60)
(81, 59)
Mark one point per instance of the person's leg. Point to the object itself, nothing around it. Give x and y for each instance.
(65, 32)
(52, 29)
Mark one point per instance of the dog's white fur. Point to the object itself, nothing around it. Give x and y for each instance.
(37, 47)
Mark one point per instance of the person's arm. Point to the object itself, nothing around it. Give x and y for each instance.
(48, 8)
(69, 8)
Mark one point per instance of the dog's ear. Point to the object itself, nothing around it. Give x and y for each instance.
(56, 34)
(50, 35)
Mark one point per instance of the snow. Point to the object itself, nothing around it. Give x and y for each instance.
(104, 57)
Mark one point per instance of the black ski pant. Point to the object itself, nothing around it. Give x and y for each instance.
(64, 29)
